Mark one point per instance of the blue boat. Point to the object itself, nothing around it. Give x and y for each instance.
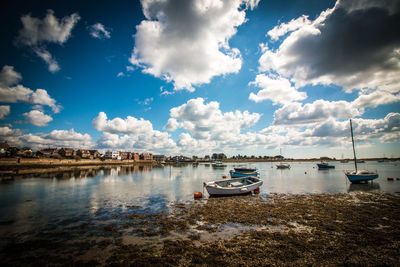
(325, 165)
(242, 174)
(359, 176)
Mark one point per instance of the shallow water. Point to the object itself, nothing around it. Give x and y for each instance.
(68, 203)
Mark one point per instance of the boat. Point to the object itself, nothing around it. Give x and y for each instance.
(283, 166)
(344, 161)
(325, 165)
(243, 169)
(359, 176)
(218, 164)
(233, 187)
(239, 174)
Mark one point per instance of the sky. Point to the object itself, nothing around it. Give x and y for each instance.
(196, 77)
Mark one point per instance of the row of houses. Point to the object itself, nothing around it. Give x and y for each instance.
(64, 152)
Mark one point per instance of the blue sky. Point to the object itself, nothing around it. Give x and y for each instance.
(198, 77)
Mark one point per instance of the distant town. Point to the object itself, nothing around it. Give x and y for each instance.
(7, 151)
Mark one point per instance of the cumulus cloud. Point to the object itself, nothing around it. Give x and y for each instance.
(355, 45)
(277, 89)
(4, 111)
(37, 118)
(36, 32)
(207, 121)
(10, 92)
(56, 138)
(98, 31)
(319, 110)
(186, 42)
(131, 133)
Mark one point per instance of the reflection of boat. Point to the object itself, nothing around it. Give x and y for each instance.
(283, 166)
(366, 187)
(233, 186)
(359, 175)
(325, 165)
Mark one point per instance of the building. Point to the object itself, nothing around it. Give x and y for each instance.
(48, 152)
(3, 148)
(112, 155)
(146, 156)
(124, 155)
(83, 153)
(67, 152)
(159, 158)
(94, 153)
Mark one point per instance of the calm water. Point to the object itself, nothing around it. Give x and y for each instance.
(38, 205)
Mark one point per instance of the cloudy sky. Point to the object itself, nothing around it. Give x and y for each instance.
(195, 77)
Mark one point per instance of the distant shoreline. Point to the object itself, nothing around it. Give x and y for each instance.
(12, 164)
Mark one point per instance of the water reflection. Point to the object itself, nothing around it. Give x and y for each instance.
(367, 187)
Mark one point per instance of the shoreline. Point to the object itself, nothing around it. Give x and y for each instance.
(256, 230)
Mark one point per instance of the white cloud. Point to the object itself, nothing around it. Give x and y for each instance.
(277, 89)
(187, 42)
(4, 111)
(56, 138)
(206, 121)
(319, 110)
(37, 118)
(36, 32)
(131, 134)
(52, 64)
(283, 28)
(18, 93)
(341, 47)
(98, 31)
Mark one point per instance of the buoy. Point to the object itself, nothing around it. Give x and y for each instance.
(198, 195)
(224, 176)
(389, 179)
(257, 190)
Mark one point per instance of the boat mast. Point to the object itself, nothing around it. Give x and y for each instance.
(354, 150)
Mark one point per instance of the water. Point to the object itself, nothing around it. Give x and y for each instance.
(65, 202)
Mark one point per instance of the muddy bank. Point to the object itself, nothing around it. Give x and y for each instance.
(320, 229)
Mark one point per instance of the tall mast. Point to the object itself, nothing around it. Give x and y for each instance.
(354, 150)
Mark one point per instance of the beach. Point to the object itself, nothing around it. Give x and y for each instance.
(277, 229)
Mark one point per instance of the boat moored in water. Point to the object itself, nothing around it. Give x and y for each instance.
(359, 176)
(325, 165)
(233, 187)
(283, 166)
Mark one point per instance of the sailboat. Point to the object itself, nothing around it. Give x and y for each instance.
(282, 165)
(358, 176)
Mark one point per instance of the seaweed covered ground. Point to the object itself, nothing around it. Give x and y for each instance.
(255, 230)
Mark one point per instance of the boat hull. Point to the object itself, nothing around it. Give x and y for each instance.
(359, 178)
(242, 174)
(324, 166)
(214, 188)
(283, 166)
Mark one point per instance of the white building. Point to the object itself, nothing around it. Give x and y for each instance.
(112, 155)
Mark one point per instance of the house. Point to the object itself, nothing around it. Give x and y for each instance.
(48, 152)
(124, 155)
(25, 152)
(112, 155)
(67, 152)
(95, 154)
(3, 148)
(146, 156)
(83, 153)
(159, 158)
(135, 156)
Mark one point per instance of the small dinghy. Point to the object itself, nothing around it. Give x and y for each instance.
(232, 187)
(243, 172)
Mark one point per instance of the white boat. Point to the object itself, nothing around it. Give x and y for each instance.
(358, 176)
(232, 187)
(283, 166)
